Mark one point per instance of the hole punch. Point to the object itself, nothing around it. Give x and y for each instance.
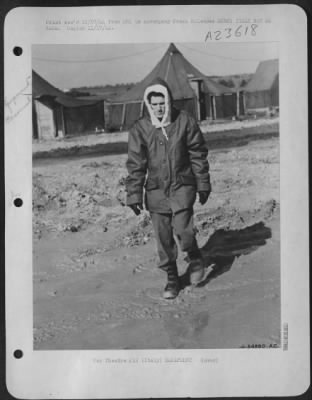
(18, 354)
(18, 51)
(18, 202)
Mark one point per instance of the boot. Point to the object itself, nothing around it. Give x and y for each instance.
(196, 268)
(172, 288)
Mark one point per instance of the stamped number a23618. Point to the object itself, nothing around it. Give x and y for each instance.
(228, 33)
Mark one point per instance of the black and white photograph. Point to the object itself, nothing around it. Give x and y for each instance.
(156, 196)
(156, 219)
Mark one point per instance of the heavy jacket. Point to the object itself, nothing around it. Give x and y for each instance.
(169, 160)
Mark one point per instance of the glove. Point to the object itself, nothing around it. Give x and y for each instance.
(203, 196)
(136, 208)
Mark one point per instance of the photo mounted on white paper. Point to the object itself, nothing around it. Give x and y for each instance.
(190, 270)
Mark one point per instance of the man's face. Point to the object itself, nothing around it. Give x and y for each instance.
(158, 106)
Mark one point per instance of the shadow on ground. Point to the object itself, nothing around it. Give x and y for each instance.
(224, 246)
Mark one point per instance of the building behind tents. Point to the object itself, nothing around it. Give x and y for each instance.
(192, 91)
(57, 114)
(262, 91)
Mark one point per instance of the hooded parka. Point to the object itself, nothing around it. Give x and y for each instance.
(168, 158)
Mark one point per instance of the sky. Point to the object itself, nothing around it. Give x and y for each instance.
(68, 66)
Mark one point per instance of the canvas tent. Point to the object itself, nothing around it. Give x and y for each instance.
(56, 114)
(191, 90)
(262, 91)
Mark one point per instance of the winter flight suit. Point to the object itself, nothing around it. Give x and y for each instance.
(170, 163)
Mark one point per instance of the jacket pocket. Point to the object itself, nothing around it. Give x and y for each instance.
(187, 180)
(151, 184)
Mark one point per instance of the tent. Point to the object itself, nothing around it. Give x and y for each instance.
(262, 91)
(191, 90)
(57, 114)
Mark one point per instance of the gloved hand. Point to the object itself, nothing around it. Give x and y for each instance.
(203, 196)
(136, 208)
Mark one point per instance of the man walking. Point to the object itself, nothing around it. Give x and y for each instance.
(167, 156)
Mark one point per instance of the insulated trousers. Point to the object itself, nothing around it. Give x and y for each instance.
(166, 226)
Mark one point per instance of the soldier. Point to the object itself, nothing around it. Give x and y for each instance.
(167, 156)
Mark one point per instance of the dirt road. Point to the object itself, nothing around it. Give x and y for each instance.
(96, 282)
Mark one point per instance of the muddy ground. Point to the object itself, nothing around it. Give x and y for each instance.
(96, 282)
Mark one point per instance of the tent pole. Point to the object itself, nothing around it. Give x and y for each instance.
(196, 107)
(104, 115)
(63, 121)
(244, 101)
(55, 125)
(237, 104)
(214, 107)
(123, 116)
(37, 119)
